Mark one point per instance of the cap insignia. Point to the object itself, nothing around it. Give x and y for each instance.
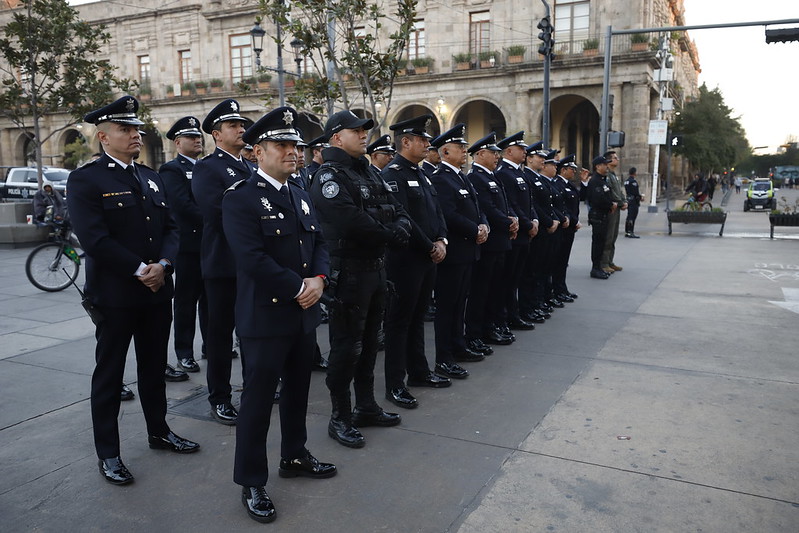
(192, 122)
(129, 104)
(234, 106)
(288, 118)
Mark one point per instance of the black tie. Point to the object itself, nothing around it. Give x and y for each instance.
(135, 173)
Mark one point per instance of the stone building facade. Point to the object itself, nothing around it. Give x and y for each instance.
(175, 48)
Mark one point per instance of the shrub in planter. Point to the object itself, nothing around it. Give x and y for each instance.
(422, 64)
(516, 53)
(462, 61)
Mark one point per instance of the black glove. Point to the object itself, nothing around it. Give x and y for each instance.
(399, 235)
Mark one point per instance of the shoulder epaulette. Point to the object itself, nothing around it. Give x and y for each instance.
(235, 186)
(395, 166)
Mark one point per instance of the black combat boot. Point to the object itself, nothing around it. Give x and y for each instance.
(367, 412)
(340, 427)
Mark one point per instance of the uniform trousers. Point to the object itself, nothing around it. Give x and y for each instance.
(485, 295)
(452, 290)
(599, 234)
(353, 327)
(413, 276)
(220, 294)
(190, 303)
(149, 328)
(562, 261)
(514, 269)
(609, 250)
(536, 272)
(632, 211)
(268, 360)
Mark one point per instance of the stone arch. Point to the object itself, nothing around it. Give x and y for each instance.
(67, 137)
(23, 151)
(481, 117)
(575, 127)
(416, 109)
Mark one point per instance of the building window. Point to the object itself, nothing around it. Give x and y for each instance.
(479, 35)
(184, 58)
(144, 68)
(571, 24)
(416, 42)
(240, 57)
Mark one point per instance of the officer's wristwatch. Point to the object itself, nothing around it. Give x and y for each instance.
(168, 268)
(444, 240)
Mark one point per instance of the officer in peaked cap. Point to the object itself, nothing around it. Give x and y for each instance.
(571, 200)
(602, 204)
(467, 229)
(189, 292)
(484, 308)
(511, 174)
(282, 266)
(212, 175)
(121, 216)
(412, 269)
(316, 146)
(360, 218)
(431, 161)
(381, 152)
(549, 173)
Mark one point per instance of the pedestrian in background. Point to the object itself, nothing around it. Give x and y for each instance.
(634, 199)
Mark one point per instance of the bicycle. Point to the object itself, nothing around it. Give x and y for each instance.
(694, 204)
(54, 266)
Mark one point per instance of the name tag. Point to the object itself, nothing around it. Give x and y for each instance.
(538, 183)
(492, 183)
(519, 180)
(464, 192)
(413, 184)
(188, 175)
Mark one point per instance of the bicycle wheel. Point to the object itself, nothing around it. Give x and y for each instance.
(44, 268)
(689, 206)
(707, 206)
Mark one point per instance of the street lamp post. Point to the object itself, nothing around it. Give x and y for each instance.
(257, 33)
(296, 47)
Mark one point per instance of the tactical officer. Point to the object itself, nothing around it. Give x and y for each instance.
(467, 229)
(619, 196)
(412, 270)
(381, 152)
(431, 161)
(511, 173)
(359, 219)
(571, 198)
(212, 175)
(281, 265)
(120, 214)
(602, 204)
(484, 307)
(634, 199)
(189, 292)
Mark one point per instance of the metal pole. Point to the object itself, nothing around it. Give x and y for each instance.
(547, 64)
(603, 125)
(668, 171)
(281, 89)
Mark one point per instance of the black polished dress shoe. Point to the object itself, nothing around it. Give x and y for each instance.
(565, 298)
(188, 364)
(258, 505)
(520, 323)
(451, 370)
(545, 307)
(468, 356)
(430, 380)
(534, 317)
(374, 417)
(320, 365)
(171, 374)
(126, 394)
(546, 315)
(495, 337)
(114, 471)
(506, 332)
(572, 296)
(173, 443)
(401, 397)
(306, 466)
(225, 413)
(344, 432)
(597, 273)
(476, 345)
(554, 302)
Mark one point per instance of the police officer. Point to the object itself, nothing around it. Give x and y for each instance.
(431, 161)
(121, 216)
(359, 219)
(412, 270)
(282, 265)
(467, 229)
(571, 198)
(189, 292)
(212, 175)
(634, 199)
(316, 146)
(602, 204)
(484, 307)
(510, 172)
(549, 173)
(380, 153)
(619, 196)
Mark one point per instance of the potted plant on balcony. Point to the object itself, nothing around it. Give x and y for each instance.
(170, 91)
(200, 87)
(639, 42)
(216, 85)
(787, 215)
(421, 65)
(516, 53)
(590, 47)
(145, 91)
(487, 59)
(462, 61)
(187, 87)
(262, 81)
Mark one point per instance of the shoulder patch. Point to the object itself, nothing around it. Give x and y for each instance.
(330, 189)
(235, 186)
(206, 157)
(325, 177)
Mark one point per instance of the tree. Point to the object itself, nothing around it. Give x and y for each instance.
(344, 38)
(712, 138)
(49, 67)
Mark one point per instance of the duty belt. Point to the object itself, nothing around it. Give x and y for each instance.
(358, 264)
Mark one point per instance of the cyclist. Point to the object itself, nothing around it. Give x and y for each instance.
(699, 188)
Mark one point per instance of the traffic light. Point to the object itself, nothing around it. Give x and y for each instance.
(547, 39)
(676, 140)
(785, 35)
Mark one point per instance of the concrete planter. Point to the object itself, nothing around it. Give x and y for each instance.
(698, 217)
(782, 220)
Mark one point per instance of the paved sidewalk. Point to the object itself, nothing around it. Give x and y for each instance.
(663, 399)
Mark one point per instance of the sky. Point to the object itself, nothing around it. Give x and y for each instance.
(759, 81)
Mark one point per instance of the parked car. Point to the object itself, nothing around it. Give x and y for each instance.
(21, 182)
(760, 195)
